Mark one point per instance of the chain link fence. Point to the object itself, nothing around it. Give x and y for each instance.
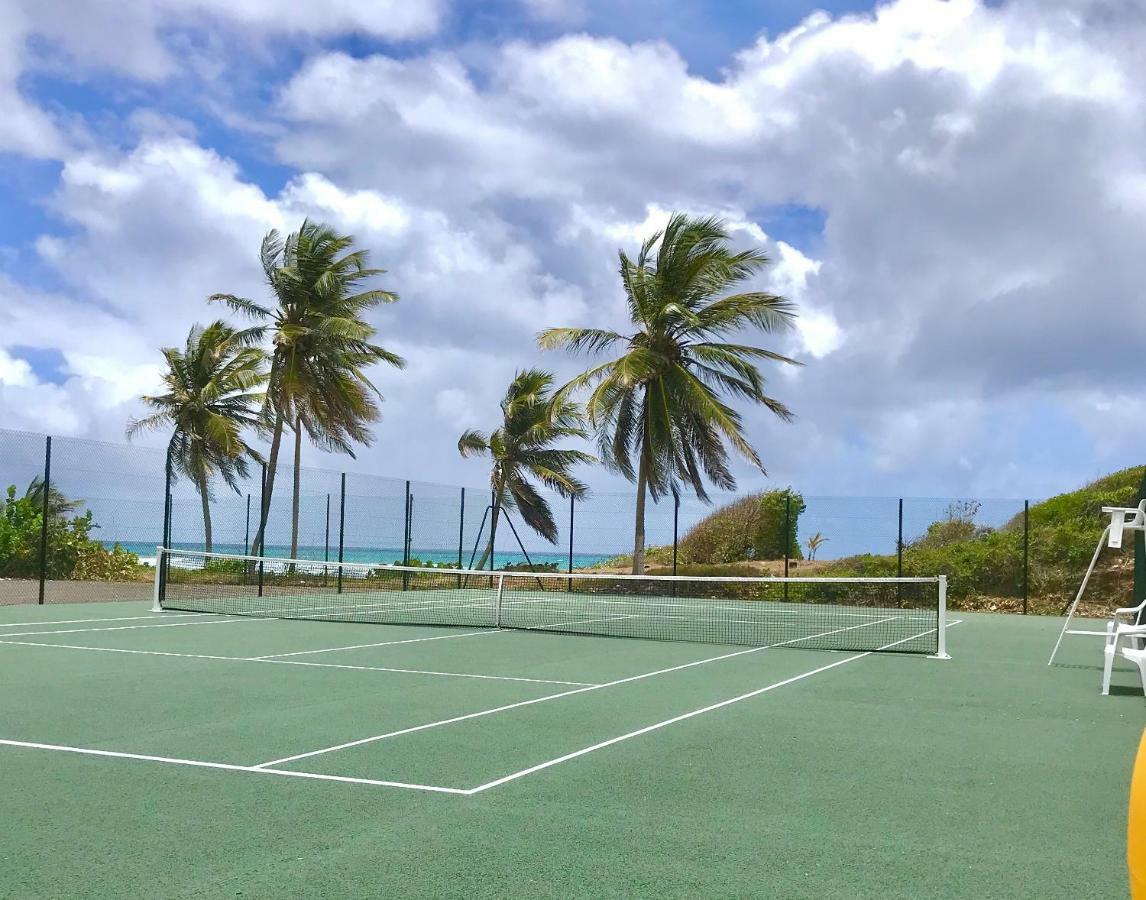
(91, 535)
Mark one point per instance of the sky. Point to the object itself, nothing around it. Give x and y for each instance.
(952, 192)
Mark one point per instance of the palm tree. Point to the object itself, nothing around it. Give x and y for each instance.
(522, 449)
(815, 542)
(59, 506)
(214, 392)
(659, 403)
(322, 346)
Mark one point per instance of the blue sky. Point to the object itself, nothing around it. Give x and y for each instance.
(952, 192)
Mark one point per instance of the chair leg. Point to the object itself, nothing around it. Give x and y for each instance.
(1108, 653)
(1141, 660)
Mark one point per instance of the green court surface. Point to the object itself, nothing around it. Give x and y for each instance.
(183, 755)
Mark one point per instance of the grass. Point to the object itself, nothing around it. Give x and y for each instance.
(892, 777)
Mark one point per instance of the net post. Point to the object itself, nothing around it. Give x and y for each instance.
(497, 601)
(47, 488)
(941, 634)
(157, 594)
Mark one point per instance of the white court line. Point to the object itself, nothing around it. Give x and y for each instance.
(203, 764)
(547, 697)
(299, 662)
(688, 715)
(230, 621)
(117, 650)
(116, 619)
(265, 769)
(291, 662)
(440, 637)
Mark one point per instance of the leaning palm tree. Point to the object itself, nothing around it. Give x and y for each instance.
(657, 408)
(59, 506)
(522, 449)
(322, 348)
(214, 392)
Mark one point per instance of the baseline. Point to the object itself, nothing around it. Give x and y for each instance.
(205, 764)
(155, 616)
(291, 662)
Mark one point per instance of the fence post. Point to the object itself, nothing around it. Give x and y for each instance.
(1026, 554)
(899, 543)
(341, 529)
(787, 535)
(675, 528)
(461, 533)
(675, 532)
(406, 537)
(326, 539)
(493, 529)
(572, 505)
(47, 486)
(247, 528)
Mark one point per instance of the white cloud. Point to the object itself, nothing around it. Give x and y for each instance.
(14, 372)
(979, 171)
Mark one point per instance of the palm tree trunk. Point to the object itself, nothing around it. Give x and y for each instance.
(268, 487)
(488, 551)
(639, 528)
(297, 489)
(204, 496)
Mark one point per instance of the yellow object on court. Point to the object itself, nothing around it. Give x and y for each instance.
(1136, 835)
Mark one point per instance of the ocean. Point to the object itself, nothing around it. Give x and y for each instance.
(384, 555)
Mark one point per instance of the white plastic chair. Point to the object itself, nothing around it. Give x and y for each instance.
(1122, 519)
(1135, 649)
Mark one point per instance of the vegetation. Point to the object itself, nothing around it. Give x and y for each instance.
(815, 542)
(522, 449)
(984, 565)
(657, 408)
(214, 391)
(322, 347)
(746, 529)
(72, 552)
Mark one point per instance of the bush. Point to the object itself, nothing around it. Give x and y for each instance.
(749, 528)
(72, 553)
(526, 567)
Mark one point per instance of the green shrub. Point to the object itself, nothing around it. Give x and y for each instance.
(749, 528)
(72, 552)
(526, 567)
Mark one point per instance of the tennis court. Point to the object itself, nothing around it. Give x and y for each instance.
(191, 753)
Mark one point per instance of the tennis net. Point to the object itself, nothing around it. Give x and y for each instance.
(905, 615)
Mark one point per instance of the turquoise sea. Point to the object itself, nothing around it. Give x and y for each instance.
(387, 555)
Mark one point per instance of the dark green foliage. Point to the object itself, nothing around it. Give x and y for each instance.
(535, 567)
(983, 562)
(746, 529)
(72, 553)
(417, 563)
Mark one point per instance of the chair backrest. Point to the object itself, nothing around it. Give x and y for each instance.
(1123, 518)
